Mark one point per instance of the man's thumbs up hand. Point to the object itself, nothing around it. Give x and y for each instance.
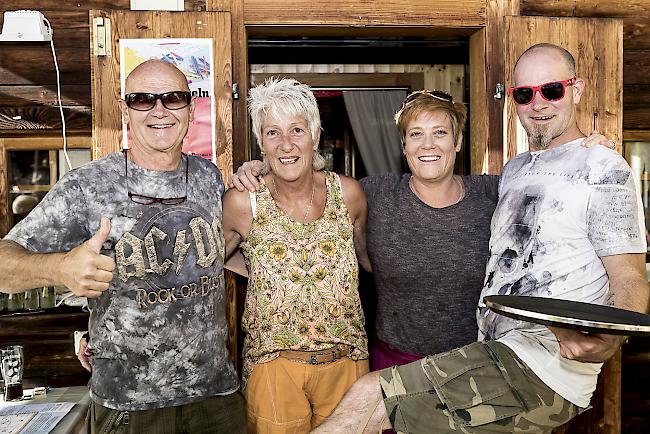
(97, 241)
(85, 271)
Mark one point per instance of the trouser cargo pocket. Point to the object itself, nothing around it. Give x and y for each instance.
(474, 386)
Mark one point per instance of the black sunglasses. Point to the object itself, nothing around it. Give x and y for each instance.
(148, 200)
(437, 94)
(552, 91)
(142, 101)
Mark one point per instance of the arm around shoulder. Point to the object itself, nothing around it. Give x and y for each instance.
(355, 201)
(237, 218)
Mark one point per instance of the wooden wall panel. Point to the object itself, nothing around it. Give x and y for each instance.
(37, 118)
(636, 33)
(44, 143)
(235, 291)
(33, 64)
(239, 41)
(636, 91)
(636, 117)
(583, 8)
(86, 5)
(636, 94)
(4, 192)
(487, 67)
(25, 96)
(636, 66)
(445, 13)
(479, 131)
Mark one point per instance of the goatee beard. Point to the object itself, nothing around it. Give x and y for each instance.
(539, 139)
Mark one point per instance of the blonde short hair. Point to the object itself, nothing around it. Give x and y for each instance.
(429, 101)
(286, 96)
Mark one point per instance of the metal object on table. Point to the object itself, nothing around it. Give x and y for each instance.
(585, 317)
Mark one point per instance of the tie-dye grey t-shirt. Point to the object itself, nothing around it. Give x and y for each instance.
(159, 333)
(559, 211)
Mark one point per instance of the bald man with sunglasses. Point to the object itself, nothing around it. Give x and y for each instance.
(139, 233)
(569, 225)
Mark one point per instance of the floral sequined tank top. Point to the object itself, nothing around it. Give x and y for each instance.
(303, 281)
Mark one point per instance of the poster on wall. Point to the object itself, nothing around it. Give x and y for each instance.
(194, 57)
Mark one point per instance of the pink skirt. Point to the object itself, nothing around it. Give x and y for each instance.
(383, 356)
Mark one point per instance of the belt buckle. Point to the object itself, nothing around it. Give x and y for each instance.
(313, 360)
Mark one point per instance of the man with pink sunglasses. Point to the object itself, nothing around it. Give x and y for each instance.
(568, 225)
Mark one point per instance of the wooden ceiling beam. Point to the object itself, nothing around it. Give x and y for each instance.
(442, 13)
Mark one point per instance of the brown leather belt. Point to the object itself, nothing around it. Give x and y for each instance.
(317, 357)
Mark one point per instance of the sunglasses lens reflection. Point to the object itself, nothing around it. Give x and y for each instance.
(522, 95)
(553, 91)
(146, 101)
(175, 100)
(140, 101)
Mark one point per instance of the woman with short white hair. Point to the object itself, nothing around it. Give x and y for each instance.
(300, 234)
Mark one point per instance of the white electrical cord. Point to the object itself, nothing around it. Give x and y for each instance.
(58, 95)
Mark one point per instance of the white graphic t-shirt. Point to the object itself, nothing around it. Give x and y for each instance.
(560, 210)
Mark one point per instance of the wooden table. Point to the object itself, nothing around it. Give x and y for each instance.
(75, 421)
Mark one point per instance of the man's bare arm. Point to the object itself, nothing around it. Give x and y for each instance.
(363, 397)
(237, 219)
(628, 281)
(84, 270)
(23, 270)
(629, 287)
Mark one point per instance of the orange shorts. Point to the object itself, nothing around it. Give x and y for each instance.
(285, 396)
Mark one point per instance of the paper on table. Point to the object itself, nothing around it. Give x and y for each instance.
(45, 419)
(13, 423)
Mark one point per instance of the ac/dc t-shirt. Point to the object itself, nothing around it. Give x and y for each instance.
(159, 333)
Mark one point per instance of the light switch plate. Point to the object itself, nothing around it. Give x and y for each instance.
(157, 5)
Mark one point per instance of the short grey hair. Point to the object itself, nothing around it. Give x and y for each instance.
(285, 96)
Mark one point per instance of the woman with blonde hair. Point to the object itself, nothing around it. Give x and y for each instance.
(300, 234)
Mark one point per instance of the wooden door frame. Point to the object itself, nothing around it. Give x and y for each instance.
(485, 158)
(482, 25)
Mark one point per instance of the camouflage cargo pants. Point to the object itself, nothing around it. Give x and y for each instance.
(480, 388)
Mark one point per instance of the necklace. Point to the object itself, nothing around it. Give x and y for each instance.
(311, 199)
(461, 196)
